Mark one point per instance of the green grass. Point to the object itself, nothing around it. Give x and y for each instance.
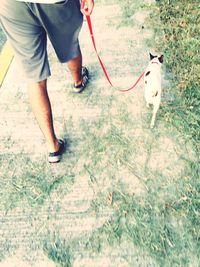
(58, 251)
(180, 24)
(26, 179)
(164, 223)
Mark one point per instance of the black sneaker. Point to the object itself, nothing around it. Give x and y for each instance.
(85, 78)
(55, 157)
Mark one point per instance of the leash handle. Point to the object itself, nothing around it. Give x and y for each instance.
(88, 19)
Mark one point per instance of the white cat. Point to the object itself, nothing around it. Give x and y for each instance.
(152, 82)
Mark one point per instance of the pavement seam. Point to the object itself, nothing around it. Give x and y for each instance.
(6, 57)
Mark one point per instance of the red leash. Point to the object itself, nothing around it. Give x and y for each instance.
(101, 63)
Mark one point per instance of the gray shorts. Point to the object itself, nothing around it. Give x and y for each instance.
(27, 26)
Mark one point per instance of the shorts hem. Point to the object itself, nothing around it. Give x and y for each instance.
(40, 79)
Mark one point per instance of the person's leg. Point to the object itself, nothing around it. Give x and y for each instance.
(41, 106)
(75, 67)
(80, 74)
(64, 39)
(28, 39)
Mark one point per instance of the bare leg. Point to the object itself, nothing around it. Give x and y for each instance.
(41, 107)
(75, 66)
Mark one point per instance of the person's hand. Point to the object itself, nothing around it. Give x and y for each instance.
(87, 7)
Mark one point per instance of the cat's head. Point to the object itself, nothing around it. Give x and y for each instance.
(156, 59)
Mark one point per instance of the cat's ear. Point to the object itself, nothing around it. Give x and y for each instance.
(151, 56)
(161, 58)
